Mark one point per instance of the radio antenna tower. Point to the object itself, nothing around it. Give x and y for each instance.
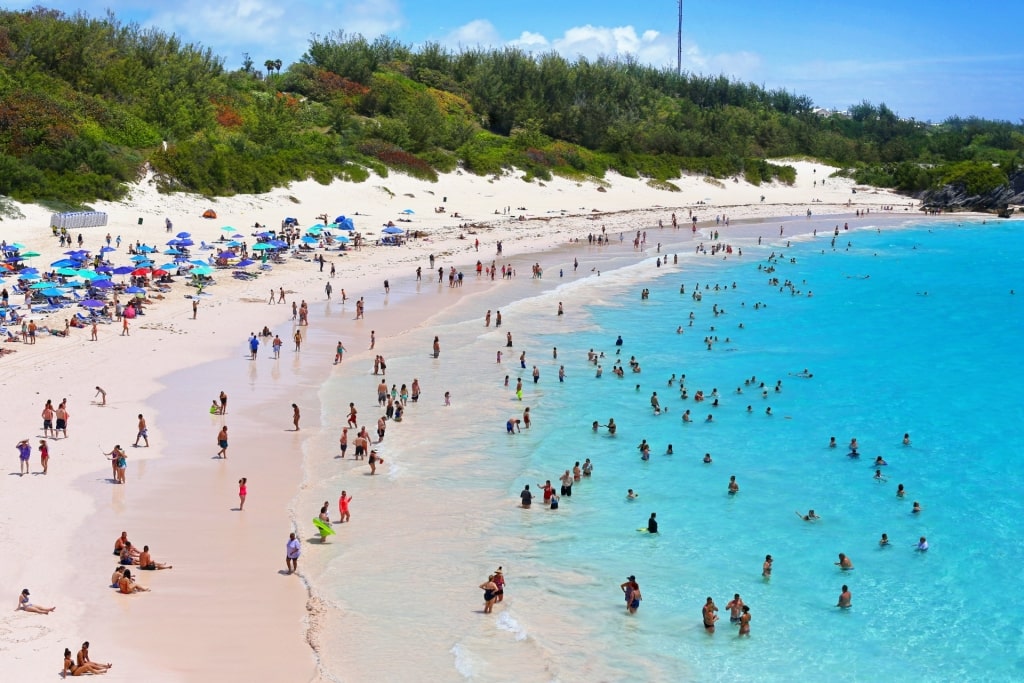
(679, 42)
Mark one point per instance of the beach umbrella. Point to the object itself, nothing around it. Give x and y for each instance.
(29, 254)
(237, 236)
(169, 266)
(139, 257)
(234, 243)
(89, 275)
(123, 270)
(159, 272)
(62, 263)
(146, 249)
(104, 269)
(135, 290)
(70, 272)
(29, 271)
(76, 252)
(104, 250)
(228, 228)
(202, 270)
(140, 271)
(245, 263)
(171, 252)
(341, 238)
(101, 284)
(41, 285)
(92, 303)
(261, 246)
(185, 243)
(184, 234)
(51, 292)
(408, 212)
(278, 244)
(392, 230)
(309, 240)
(14, 259)
(15, 246)
(227, 254)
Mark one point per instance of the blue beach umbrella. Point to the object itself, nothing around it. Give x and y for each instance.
(184, 234)
(185, 243)
(341, 238)
(105, 249)
(392, 230)
(92, 303)
(51, 292)
(169, 266)
(123, 270)
(227, 255)
(408, 211)
(69, 272)
(309, 240)
(146, 249)
(62, 263)
(262, 246)
(135, 290)
(102, 284)
(139, 257)
(245, 263)
(41, 285)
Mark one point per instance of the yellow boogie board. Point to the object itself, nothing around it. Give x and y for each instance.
(322, 527)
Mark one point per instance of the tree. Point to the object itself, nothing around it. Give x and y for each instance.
(269, 64)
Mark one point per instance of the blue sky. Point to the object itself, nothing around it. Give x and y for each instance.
(925, 60)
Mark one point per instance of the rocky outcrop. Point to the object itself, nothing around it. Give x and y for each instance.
(955, 197)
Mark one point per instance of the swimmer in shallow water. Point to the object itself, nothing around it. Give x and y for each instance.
(879, 462)
(884, 541)
(844, 563)
(922, 545)
(630, 495)
(809, 517)
(917, 508)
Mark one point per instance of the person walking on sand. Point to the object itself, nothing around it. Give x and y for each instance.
(339, 352)
(124, 326)
(254, 345)
(280, 297)
(437, 347)
(24, 453)
(298, 340)
(102, 394)
(328, 289)
(292, 551)
(195, 309)
(95, 332)
(243, 490)
(295, 416)
(222, 441)
(143, 432)
(25, 605)
(277, 344)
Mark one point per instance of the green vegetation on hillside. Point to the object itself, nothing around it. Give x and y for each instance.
(86, 103)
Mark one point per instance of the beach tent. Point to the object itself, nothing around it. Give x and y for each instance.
(344, 223)
(209, 213)
(291, 221)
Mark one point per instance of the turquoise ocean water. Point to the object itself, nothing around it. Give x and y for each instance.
(908, 330)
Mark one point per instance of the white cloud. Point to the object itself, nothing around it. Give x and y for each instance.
(272, 29)
(478, 32)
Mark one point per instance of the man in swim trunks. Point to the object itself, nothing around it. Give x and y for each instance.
(146, 561)
(143, 431)
(62, 419)
(222, 441)
(48, 413)
(735, 607)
